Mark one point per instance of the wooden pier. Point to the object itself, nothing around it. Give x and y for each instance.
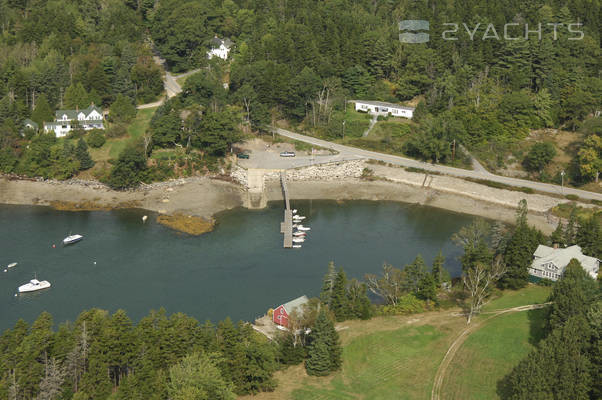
(286, 227)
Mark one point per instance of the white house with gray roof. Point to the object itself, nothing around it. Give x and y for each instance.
(219, 48)
(550, 263)
(383, 108)
(67, 120)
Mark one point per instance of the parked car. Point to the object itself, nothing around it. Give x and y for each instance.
(287, 154)
(242, 155)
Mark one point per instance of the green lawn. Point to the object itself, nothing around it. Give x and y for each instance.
(490, 353)
(399, 364)
(135, 130)
(532, 294)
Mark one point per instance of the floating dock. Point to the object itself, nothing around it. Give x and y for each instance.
(286, 227)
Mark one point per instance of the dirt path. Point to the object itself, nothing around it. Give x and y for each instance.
(457, 343)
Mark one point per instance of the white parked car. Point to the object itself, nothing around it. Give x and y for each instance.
(287, 154)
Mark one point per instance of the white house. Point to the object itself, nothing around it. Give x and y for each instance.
(549, 262)
(383, 108)
(67, 120)
(219, 48)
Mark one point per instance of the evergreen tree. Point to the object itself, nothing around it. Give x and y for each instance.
(129, 170)
(43, 112)
(589, 237)
(427, 288)
(328, 284)
(122, 109)
(557, 237)
(571, 228)
(339, 304)
(571, 295)
(438, 271)
(414, 273)
(197, 377)
(324, 349)
(83, 156)
(76, 96)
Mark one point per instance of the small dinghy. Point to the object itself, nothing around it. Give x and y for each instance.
(11, 265)
(295, 211)
(34, 285)
(303, 228)
(298, 240)
(296, 246)
(298, 217)
(72, 239)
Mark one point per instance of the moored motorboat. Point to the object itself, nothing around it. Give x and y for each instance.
(303, 228)
(298, 217)
(299, 234)
(296, 246)
(295, 211)
(34, 285)
(298, 240)
(11, 265)
(72, 239)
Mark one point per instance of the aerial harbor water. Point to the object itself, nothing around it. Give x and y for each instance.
(238, 270)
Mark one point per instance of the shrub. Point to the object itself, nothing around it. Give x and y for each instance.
(408, 304)
(116, 131)
(96, 138)
(572, 197)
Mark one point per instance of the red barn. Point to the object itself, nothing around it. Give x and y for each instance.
(281, 313)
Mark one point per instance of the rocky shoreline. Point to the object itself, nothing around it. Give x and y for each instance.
(203, 197)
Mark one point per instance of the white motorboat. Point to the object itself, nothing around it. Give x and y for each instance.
(11, 265)
(34, 285)
(296, 246)
(295, 211)
(298, 240)
(298, 217)
(72, 239)
(303, 228)
(299, 234)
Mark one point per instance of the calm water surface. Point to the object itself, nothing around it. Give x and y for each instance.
(239, 270)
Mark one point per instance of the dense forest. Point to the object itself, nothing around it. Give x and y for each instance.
(301, 61)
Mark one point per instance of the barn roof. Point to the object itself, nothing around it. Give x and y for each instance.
(298, 302)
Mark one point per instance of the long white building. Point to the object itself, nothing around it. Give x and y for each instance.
(550, 263)
(383, 108)
(67, 120)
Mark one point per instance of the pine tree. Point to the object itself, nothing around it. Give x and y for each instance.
(76, 96)
(571, 227)
(414, 273)
(571, 295)
(438, 269)
(83, 156)
(318, 359)
(589, 237)
(42, 113)
(339, 303)
(557, 237)
(328, 284)
(324, 349)
(427, 288)
(122, 109)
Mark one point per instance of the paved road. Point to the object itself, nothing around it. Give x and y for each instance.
(171, 85)
(348, 151)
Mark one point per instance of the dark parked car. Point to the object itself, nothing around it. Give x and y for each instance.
(243, 155)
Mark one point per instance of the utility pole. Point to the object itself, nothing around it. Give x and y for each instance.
(453, 150)
(343, 129)
(562, 181)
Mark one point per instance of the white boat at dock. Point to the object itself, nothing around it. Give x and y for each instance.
(299, 234)
(303, 228)
(72, 239)
(297, 246)
(34, 285)
(298, 240)
(299, 217)
(295, 211)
